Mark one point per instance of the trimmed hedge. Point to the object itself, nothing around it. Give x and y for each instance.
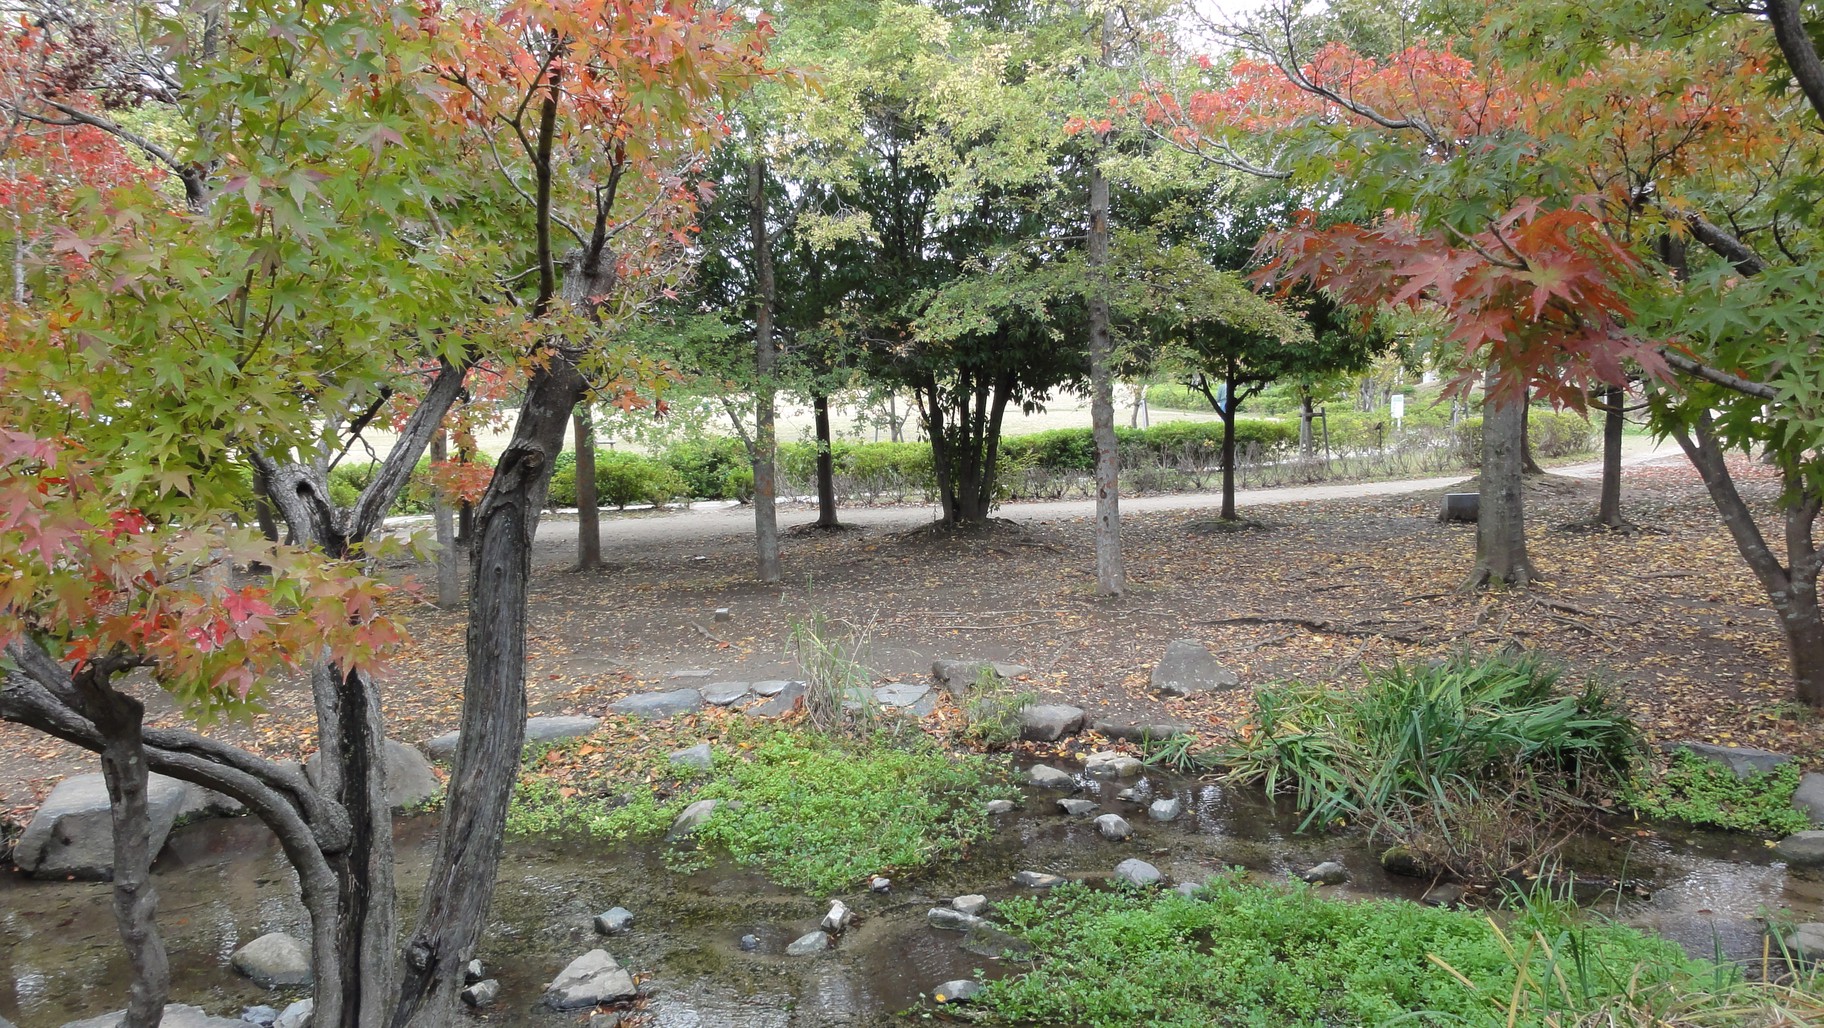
(1551, 433)
(620, 479)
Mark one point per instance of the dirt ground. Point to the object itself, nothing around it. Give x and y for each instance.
(1672, 615)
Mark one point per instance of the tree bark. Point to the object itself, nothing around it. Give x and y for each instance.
(588, 509)
(1306, 444)
(449, 585)
(461, 881)
(1792, 587)
(1501, 557)
(263, 511)
(120, 718)
(1608, 509)
(766, 486)
(1528, 464)
(1111, 578)
(826, 464)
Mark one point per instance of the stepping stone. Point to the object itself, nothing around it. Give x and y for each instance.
(1130, 730)
(1046, 777)
(538, 730)
(691, 819)
(1189, 669)
(1112, 764)
(1077, 808)
(783, 702)
(998, 806)
(1169, 809)
(614, 921)
(274, 960)
(1037, 879)
(1114, 828)
(1049, 722)
(900, 694)
(657, 706)
(724, 694)
(590, 980)
(959, 676)
(773, 687)
(809, 944)
(700, 757)
(1327, 873)
(1743, 760)
(1806, 849)
(691, 673)
(1137, 872)
(972, 904)
(1810, 796)
(951, 919)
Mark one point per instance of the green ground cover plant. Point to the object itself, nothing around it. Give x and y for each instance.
(811, 810)
(1708, 794)
(1240, 955)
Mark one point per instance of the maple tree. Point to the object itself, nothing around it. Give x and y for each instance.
(307, 289)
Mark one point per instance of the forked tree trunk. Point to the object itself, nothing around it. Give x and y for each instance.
(765, 455)
(588, 508)
(1608, 509)
(1792, 585)
(1111, 579)
(1501, 558)
(826, 464)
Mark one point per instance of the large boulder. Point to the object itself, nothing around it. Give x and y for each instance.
(201, 804)
(72, 835)
(1743, 760)
(273, 960)
(590, 980)
(1189, 669)
(1049, 722)
(656, 706)
(410, 782)
(177, 1015)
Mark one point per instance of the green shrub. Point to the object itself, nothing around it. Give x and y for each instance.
(1475, 766)
(620, 479)
(1551, 434)
(347, 481)
(1708, 794)
(1234, 955)
(717, 468)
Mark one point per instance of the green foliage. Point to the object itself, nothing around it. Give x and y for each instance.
(1551, 434)
(348, 480)
(1258, 957)
(1708, 794)
(716, 468)
(620, 479)
(991, 711)
(812, 811)
(1476, 766)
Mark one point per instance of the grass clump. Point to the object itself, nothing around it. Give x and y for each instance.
(991, 711)
(1708, 794)
(1477, 766)
(1258, 957)
(812, 811)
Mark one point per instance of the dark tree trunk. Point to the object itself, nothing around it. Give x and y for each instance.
(1226, 411)
(1501, 558)
(461, 881)
(1792, 586)
(263, 511)
(119, 718)
(1306, 444)
(588, 510)
(449, 585)
(766, 484)
(826, 465)
(1608, 511)
(965, 456)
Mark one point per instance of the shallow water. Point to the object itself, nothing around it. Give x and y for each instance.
(224, 882)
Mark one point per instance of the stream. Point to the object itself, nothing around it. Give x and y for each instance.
(225, 882)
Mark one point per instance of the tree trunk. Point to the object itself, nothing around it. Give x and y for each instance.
(1608, 512)
(1306, 444)
(263, 512)
(449, 585)
(486, 763)
(1529, 465)
(1792, 587)
(588, 510)
(1501, 558)
(1111, 579)
(119, 718)
(766, 487)
(826, 465)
